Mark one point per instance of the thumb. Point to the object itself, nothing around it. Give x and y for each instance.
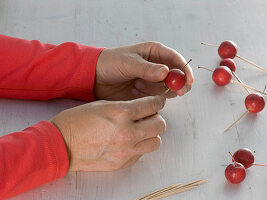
(149, 71)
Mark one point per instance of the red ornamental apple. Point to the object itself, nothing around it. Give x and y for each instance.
(235, 173)
(230, 63)
(175, 80)
(227, 49)
(244, 156)
(222, 75)
(254, 103)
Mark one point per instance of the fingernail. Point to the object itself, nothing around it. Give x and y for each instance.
(160, 71)
(140, 85)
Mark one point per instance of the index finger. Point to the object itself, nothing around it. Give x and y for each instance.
(189, 75)
(146, 106)
(161, 54)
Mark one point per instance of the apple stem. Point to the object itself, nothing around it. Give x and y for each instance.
(236, 121)
(259, 165)
(243, 85)
(165, 92)
(208, 44)
(239, 80)
(186, 64)
(200, 67)
(249, 62)
(233, 158)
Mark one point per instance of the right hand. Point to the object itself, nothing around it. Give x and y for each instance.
(139, 70)
(106, 136)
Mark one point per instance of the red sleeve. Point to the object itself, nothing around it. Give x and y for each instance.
(31, 158)
(33, 70)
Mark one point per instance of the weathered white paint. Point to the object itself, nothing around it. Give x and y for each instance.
(194, 145)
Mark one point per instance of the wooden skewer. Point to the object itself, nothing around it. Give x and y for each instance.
(200, 67)
(176, 188)
(179, 189)
(173, 192)
(186, 63)
(260, 165)
(208, 44)
(157, 193)
(239, 80)
(165, 92)
(244, 85)
(168, 89)
(236, 121)
(148, 196)
(240, 57)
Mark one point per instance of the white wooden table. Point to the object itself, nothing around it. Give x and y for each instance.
(194, 145)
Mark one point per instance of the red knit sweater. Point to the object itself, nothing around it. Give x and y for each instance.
(33, 70)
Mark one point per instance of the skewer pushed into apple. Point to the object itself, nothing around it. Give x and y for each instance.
(175, 79)
(222, 76)
(228, 49)
(254, 103)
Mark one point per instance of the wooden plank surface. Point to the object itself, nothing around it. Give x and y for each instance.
(194, 145)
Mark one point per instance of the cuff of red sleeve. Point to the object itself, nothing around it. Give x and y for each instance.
(88, 71)
(58, 150)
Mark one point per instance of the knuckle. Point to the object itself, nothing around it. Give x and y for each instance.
(141, 133)
(125, 135)
(149, 43)
(123, 111)
(157, 45)
(154, 44)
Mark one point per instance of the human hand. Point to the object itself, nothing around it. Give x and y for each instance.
(106, 136)
(136, 71)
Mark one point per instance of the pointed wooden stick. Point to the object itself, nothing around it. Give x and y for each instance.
(172, 193)
(180, 189)
(200, 67)
(259, 165)
(244, 85)
(236, 121)
(186, 63)
(168, 89)
(208, 44)
(165, 92)
(253, 64)
(170, 188)
(238, 79)
(160, 192)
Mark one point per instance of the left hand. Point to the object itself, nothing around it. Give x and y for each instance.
(136, 71)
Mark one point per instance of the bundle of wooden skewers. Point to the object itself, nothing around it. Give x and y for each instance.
(172, 190)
